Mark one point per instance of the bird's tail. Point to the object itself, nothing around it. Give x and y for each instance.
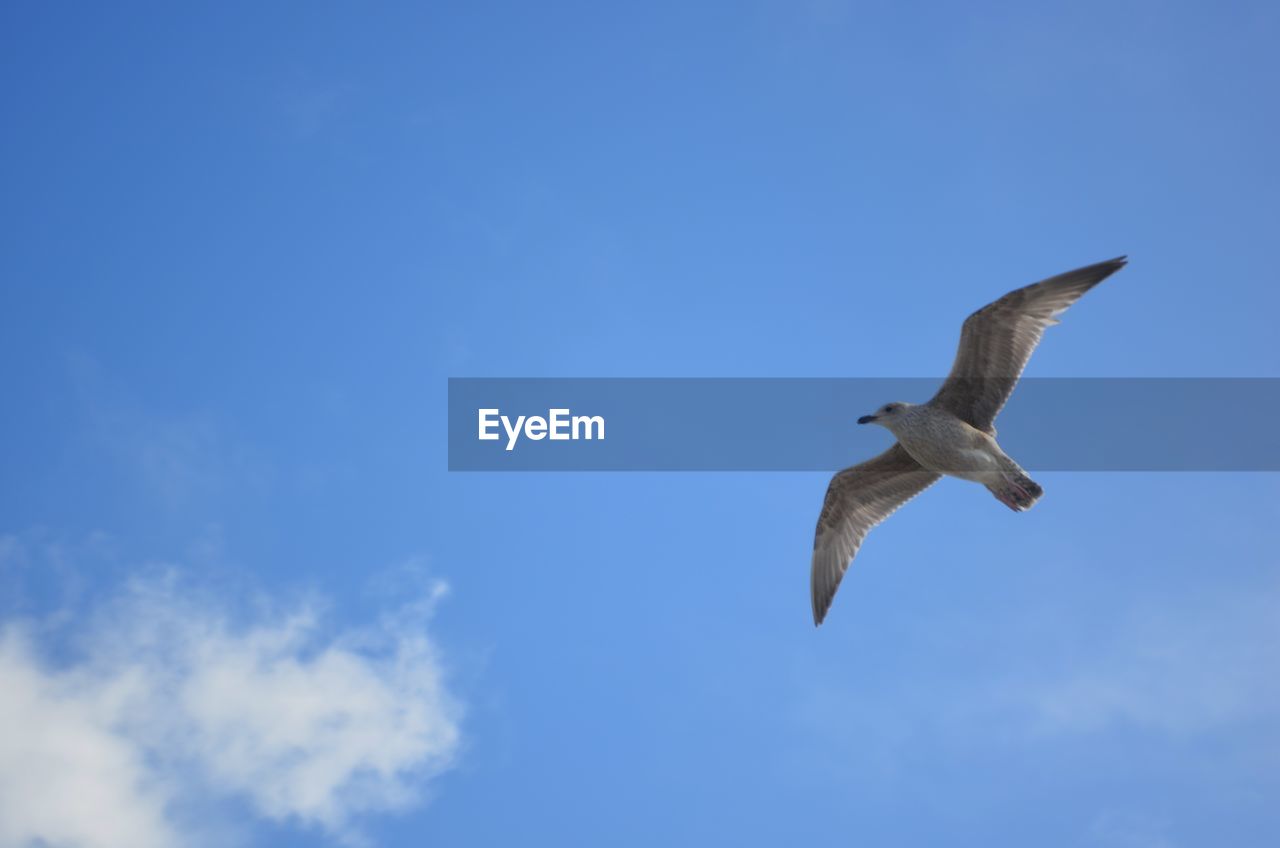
(1015, 489)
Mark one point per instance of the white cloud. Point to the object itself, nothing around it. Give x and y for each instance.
(171, 699)
(67, 777)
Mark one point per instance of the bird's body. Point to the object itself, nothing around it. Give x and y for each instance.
(953, 433)
(942, 443)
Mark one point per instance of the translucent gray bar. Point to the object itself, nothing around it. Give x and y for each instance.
(804, 424)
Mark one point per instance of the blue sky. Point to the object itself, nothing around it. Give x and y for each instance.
(243, 602)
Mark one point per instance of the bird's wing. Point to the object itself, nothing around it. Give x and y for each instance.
(997, 340)
(858, 499)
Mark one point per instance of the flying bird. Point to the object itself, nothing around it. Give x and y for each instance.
(952, 433)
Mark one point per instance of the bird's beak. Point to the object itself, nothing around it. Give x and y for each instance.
(866, 419)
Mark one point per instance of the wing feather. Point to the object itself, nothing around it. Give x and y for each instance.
(998, 339)
(858, 499)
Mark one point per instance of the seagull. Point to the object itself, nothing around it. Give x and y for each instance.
(952, 433)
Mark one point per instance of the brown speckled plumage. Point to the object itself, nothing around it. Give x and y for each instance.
(954, 433)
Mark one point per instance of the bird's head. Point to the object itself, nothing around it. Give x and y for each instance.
(887, 415)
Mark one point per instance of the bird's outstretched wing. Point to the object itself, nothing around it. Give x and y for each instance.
(997, 340)
(858, 499)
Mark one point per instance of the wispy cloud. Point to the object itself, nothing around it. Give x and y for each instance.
(169, 699)
(310, 107)
(1114, 829)
(177, 456)
(1194, 664)
(1177, 691)
(1177, 664)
